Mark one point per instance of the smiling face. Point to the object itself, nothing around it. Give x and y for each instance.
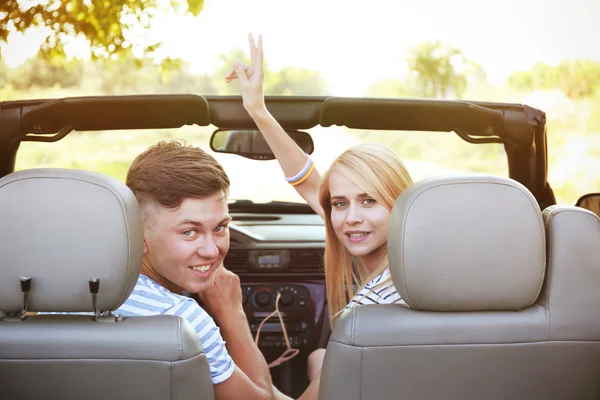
(359, 221)
(183, 247)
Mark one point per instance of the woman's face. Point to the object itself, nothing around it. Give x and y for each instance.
(359, 221)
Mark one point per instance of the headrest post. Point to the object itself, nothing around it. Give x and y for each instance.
(25, 288)
(94, 287)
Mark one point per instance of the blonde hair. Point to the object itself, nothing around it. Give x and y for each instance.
(592, 203)
(379, 172)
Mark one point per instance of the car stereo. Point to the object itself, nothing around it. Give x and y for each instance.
(269, 259)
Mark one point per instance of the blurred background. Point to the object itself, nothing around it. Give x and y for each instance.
(541, 53)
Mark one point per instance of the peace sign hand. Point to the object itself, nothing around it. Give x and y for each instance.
(251, 77)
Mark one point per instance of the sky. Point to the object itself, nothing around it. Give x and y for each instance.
(355, 43)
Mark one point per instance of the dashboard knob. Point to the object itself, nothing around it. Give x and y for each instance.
(262, 298)
(287, 298)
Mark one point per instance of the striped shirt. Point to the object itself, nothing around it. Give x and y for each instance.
(383, 295)
(150, 298)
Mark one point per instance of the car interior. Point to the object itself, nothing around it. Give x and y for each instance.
(500, 281)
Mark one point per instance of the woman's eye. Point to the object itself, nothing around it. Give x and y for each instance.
(339, 204)
(189, 233)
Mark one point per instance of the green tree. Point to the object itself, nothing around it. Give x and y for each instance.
(541, 76)
(579, 78)
(106, 24)
(576, 79)
(123, 76)
(288, 81)
(293, 81)
(393, 88)
(131, 76)
(36, 72)
(441, 70)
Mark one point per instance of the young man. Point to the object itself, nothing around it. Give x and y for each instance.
(182, 192)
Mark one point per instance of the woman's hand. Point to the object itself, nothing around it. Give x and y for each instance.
(251, 78)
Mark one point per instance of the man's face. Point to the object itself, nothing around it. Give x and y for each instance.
(185, 246)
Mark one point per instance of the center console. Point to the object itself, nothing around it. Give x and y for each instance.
(296, 307)
(282, 254)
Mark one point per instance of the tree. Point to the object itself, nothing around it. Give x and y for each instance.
(130, 76)
(440, 69)
(388, 87)
(288, 81)
(576, 79)
(293, 81)
(36, 72)
(541, 76)
(107, 25)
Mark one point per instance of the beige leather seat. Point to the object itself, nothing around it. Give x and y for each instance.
(62, 228)
(468, 254)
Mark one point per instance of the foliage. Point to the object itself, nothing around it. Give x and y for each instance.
(111, 27)
(576, 79)
(436, 70)
(294, 81)
(36, 72)
(288, 81)
(441, 70)
(129, 75)
(389, 87)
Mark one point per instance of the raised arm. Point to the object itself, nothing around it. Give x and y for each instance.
(294, 162)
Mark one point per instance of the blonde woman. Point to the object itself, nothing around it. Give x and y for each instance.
(354, 197)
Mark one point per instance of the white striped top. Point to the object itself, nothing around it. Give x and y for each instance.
(384, 295)
(150, 298)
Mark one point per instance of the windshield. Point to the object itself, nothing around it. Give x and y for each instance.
(424, 153)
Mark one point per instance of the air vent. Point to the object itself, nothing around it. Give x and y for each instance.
(306, 260)
(237, 260)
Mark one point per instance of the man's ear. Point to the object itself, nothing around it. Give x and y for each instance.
(146, 234)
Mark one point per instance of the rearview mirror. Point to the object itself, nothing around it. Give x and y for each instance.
(590, 201)
(251, 143)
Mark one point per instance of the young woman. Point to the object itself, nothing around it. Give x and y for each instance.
(354, 197)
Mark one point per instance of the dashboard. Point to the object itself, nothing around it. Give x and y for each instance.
(281, 254)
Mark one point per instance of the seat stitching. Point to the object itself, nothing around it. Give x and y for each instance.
(179, 347)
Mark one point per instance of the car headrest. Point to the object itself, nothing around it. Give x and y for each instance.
(62, 228)
(467, 243)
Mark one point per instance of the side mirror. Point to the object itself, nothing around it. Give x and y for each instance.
(251, 143)
(590, 201)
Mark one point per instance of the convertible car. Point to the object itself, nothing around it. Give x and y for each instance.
(276, 246)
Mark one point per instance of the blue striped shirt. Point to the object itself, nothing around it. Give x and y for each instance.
(150, 298)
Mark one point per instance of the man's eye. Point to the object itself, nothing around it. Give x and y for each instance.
(369, 201)
(220, 228)
(189, 233)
